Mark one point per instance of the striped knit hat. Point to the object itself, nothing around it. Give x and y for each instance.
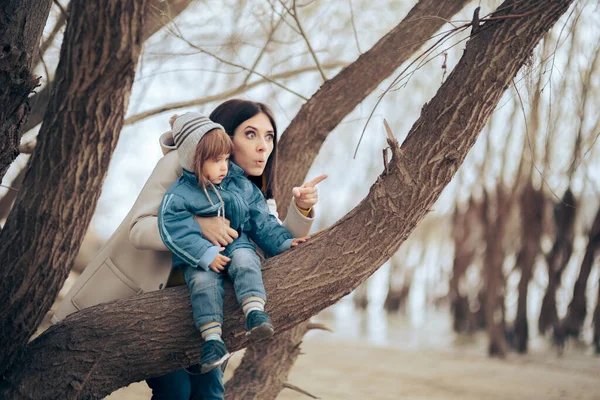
(187, 131)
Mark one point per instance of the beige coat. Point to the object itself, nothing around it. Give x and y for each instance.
(134, 260)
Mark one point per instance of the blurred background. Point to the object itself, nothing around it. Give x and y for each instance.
(526, 199)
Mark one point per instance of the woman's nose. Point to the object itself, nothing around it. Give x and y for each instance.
(262, 145)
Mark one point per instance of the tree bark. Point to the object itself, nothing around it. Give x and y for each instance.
(532, 208)
(303, 138)
(54, 207)
(110, 345)
(158, 13)
(21, 26)
(558, 258)
(573, 322)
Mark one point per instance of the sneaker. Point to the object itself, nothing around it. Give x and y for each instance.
(258, 325)
(214, 354)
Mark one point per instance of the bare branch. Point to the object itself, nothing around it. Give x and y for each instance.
(301, 391)
(294, 13)
(224, 95)
(222, 60)
(60, 23)
(263, 50)
(318, 326)
(354, 26)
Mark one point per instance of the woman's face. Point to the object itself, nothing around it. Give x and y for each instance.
(253, 142)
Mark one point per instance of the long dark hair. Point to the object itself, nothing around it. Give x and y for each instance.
(231, 114)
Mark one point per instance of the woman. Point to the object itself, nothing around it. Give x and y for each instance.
(134, 260)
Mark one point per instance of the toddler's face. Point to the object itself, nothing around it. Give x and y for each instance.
(215, 169)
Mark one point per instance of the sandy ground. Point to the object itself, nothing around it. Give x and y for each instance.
(333, 369)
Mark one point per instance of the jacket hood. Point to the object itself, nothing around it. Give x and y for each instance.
(167, 143)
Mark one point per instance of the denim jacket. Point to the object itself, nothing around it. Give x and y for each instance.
(245, 207)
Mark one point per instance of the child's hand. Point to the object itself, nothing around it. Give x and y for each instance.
(297, 241)
(219, 263)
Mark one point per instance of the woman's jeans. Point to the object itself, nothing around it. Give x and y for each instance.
(207, 290)
(188, 385)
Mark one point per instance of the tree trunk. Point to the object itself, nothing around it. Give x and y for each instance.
(360, 297)
(21, 26)
(53, 209)
(157, 14)
(400, 282)
(532, 208)
(131, 339)
(265, 367)
(494, 281)
(303, 138)
(467, 235)
(573, 322)
(558, 258)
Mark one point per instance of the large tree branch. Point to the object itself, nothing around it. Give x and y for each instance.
(54, 207)
(21, 26)
(158, 14)
(305, 135)
(108, 346)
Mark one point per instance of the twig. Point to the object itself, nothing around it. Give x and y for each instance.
(293, 12)
(354, 26)
(301, 391)
(402, 75)
(264, 49)
(62, 9)
(319, 326)
(208, 99)
(9, 188)
(530, 149)
(201, 50)
(48, 42)
(283, 17)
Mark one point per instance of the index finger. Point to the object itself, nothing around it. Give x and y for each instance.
(315, 181)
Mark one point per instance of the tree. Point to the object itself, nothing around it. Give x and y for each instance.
(105, 347)
(21, 26)
(54, 207)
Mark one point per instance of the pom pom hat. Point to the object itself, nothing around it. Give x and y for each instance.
(188, 129)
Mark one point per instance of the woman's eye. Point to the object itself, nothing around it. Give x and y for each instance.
(270, 137)
(250, 135)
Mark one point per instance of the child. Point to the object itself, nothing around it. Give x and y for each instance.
(212, 185)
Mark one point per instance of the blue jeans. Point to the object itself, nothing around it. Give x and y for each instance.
(188, 385)
(207, 290)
